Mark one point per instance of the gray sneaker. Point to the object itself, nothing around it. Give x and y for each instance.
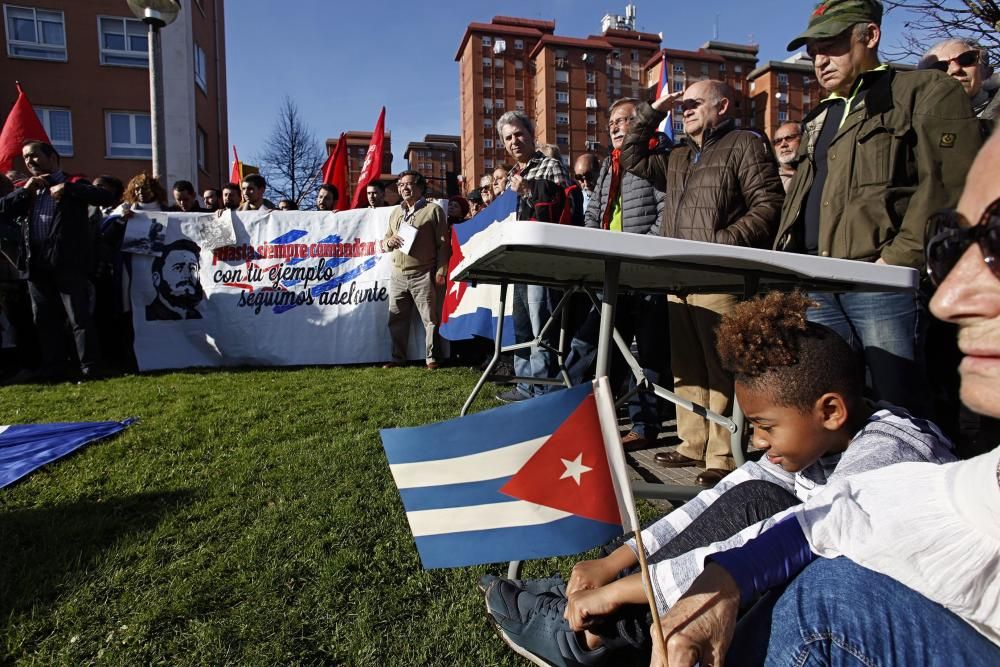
(534, 627)
(553, 584)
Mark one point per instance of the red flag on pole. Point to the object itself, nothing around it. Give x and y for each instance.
(372, 167)
(335, 172)
(21, 125)
(237, 174)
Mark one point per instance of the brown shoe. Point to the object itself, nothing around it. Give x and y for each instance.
(432, 365)
(710, 477)
(674, 460)
(633, 441)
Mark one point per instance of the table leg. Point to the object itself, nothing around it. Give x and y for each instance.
(497, 348)
(608, 300)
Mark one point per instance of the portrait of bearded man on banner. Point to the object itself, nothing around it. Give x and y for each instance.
(176, 277)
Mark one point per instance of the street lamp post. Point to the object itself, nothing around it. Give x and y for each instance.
(156, 14)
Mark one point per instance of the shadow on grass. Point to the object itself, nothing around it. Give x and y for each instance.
(43, 549)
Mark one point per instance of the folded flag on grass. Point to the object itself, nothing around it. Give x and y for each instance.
(539, 478)
(25, 448)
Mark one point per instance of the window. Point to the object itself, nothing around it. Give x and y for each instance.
(488, 122)
(591, 119)
(806, 81)
(704, 69)
(782, 116)
(58, 125)
(806, 98)
(498, 82)
(782, 79)
(487, 41)
(123, 42)
(487, 143)
(488, 163)
(678, 86)
(562, 76)
(737, 68)
(722, 67)
(678, 127)
(488, 103)
(519, 105)
(519, 65)
(678, 68)
(498, 62)
(35, 33)
(518, 84)
(519, 45)
(200, 68)
(562, 97)
(562, 118)
(487, 62)
(616, 54)
(739, 122)
(562, 139)
(498, 103)
(129, 134)
(635, 56)
(591, 77)
(202, 143)
(487, 83)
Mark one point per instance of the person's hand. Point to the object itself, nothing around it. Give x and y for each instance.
(667, 101)
(881, 261)
(590, 574)
(439, 278)
(35, 184)
(520, 185)
(57, 191)
(127, 213)
(393, 242)
(589, 606)
(699, 627)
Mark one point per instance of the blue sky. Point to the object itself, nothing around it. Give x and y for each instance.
(341, 61)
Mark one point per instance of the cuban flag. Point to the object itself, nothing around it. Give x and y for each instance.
(667, 124)
(25, 448)
(539, 478)
(472, 310)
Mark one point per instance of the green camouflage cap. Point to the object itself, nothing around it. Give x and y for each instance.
(832, 17)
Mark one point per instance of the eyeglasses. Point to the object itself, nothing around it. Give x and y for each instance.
(582, 177)
(612, 124)
(788, 138)
(966, 59)
(951, 235)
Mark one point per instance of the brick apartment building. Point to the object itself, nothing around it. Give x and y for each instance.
(84, 65)
(566, 84)
(438, 157)
(357, 148)
(714, 60)
(782, 91)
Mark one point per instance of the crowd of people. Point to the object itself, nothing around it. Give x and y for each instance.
(869, 526)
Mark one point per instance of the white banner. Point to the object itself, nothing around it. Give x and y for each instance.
(282, 288)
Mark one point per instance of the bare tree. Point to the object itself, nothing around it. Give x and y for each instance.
(292, 158)
(930, 21)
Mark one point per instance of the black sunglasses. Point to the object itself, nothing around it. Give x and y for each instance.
(965, 59)
(951, 235)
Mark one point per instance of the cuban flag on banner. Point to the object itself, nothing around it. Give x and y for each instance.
(667, 124)
(539, 478)
(471, 310)
(26, 447)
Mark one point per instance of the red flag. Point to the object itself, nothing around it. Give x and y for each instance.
(372, 167)
(21, 125)
(237, 174)
(335, 172)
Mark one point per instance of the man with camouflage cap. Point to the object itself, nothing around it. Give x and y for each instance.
(878, 156)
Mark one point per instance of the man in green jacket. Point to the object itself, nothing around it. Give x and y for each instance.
(878, 156)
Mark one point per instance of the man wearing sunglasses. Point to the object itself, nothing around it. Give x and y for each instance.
(967, 63)
(878, 156)
(786, 146)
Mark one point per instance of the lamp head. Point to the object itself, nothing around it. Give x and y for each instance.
(159, 13)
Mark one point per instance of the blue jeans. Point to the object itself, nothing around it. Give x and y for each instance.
(533, 304)
(839, 613)
(889, 329)
(644, 318)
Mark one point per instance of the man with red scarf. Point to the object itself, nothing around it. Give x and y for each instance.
(624, 202)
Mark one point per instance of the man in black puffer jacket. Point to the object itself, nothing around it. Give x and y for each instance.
(57, 254)
(625, 202)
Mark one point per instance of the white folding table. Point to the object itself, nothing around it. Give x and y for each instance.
(592, 259)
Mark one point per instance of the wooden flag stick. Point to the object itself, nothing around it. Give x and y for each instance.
(647, 583)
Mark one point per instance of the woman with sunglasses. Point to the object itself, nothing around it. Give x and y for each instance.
(969, 64)
(895, 566)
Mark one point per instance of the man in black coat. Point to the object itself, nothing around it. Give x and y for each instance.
(57, 255)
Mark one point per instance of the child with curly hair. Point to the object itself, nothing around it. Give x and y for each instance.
(801, 387)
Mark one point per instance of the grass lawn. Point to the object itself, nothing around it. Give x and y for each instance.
(249, 518)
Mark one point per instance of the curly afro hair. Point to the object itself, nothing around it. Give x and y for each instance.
(769, 345)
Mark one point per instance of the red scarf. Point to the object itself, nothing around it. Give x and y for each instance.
(613, 189)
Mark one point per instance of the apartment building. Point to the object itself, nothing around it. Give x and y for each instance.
(357, 149)
(782, 91)
(84, 65)
(438, 157)
(722, 61)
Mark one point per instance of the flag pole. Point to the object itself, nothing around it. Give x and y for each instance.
(623, 490)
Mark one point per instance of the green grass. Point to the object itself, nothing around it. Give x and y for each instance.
(249, 518)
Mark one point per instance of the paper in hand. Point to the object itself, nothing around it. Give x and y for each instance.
(409, 235)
